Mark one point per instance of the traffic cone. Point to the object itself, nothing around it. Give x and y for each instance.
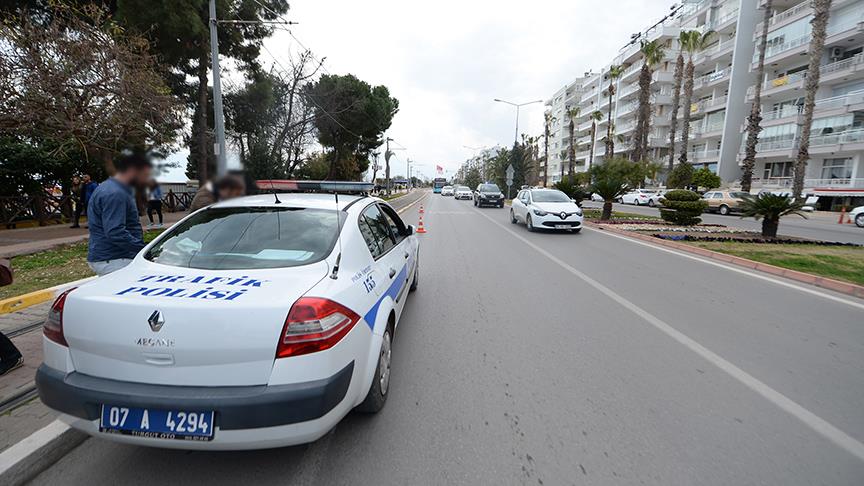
(420, 228)
(842, 215)
(421, 209)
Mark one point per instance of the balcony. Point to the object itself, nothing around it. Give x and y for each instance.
(703, 155)
(848, 102)
(843, 67)
(708, 128)
(778, 49)
(714, 51)
(805, 6)
(786, 182)
(705, 106)
(854, 136)
(722, 22)
(712, 78)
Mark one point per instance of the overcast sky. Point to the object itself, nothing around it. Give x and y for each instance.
(446, 60)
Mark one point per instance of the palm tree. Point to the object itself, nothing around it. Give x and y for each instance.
(676, 97)
(612, 178)
(615, 72)
(770, 208)
(821, 9)
(755, 118)
(694, 42)
(594, 117)
(572, 114)
(652, 54)
(547, 121)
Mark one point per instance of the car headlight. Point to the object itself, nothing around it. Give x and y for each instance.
(578, 212)
(540, 212)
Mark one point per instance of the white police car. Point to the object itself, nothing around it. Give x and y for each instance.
(247, 325)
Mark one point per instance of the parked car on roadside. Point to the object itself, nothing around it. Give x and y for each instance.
(488, 195)
(723, 202)
(463, 192)
(546, 209)
(648, 197)
(857, 215)
(447, 191)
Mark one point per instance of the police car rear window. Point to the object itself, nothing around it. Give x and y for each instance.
(248, 238)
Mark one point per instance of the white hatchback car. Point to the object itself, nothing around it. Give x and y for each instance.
(546, 209)
(464, 192)
(857, 216)
(447, 191)
(649, 197)
(256, 322)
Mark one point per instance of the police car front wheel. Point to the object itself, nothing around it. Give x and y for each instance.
(377, 396)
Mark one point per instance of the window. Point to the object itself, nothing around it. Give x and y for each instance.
(778, 169)
(397, 227)
(379, 229)
(718, 195)
(550, 196)
(248, 238)
(837, 168)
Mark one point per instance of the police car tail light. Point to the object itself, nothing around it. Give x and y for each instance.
(53, 327)
(314, 324)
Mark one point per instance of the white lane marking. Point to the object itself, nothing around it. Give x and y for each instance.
(30, 444)
(818, 424)
(754, 274)
(406, 208)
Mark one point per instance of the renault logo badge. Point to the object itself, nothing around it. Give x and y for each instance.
(563, 215)
(156, 321)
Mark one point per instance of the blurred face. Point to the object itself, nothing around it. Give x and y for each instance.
(76, 181)
(140, 176)
(86, 178)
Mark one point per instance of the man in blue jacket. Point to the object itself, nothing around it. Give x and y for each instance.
(116, 235)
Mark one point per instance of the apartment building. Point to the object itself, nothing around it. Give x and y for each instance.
(835, 171)
(724, 80)
(559, 131)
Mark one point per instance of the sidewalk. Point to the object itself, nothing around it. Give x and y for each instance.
(24, 418)
(24, 241)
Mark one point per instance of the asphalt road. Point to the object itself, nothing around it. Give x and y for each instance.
(815, 226)
(540, 358)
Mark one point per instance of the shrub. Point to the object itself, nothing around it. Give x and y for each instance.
(680, 177)
(705, 178)
(682, 207)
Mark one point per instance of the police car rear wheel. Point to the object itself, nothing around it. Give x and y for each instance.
(512, 217)
(377, 396)
(416, 279)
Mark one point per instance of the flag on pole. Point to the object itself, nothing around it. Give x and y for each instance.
(439, 169)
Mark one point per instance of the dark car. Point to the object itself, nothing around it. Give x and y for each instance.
(488, 195)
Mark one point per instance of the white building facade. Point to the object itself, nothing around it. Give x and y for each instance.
(724, 80)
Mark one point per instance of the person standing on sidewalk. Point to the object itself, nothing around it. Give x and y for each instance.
(116, 235)
(77, 200)
(154, 202)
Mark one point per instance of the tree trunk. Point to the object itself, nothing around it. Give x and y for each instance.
(821, 10)
(769, 227)
(607, 211)
(572, 152)
(676, 103)
(546, 153)
(610, 144)
(593, 139)
(202, 119)
(688, 101)
(643, 115)
(755, 119)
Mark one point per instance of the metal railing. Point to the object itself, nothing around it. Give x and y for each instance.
(722, 20)
(805, 5)
(792, 44)
(847, 136)
(834, 67)
(784, 182)
(703, 154)
(712, 77)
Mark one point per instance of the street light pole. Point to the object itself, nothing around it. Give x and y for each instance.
(518, 106)
(218, 114)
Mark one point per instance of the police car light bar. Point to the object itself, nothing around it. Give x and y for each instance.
(329, 187)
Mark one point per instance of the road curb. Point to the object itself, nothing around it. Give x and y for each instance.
(807, 278)
(17, 303)
(42, 449)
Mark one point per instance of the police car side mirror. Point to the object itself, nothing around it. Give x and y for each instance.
(409, 230)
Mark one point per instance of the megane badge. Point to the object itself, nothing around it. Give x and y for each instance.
(156, 321)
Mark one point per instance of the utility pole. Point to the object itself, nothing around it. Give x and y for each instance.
(408, 170)
(387, 154)
(218, 115)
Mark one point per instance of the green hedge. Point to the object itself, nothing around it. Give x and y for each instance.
(682, 207)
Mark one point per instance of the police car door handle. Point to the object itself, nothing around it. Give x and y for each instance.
(392, 272)
(406, 254)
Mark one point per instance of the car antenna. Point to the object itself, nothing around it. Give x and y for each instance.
(334, 275)
(273, 188)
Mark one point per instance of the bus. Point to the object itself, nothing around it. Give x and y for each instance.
(437, 184)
